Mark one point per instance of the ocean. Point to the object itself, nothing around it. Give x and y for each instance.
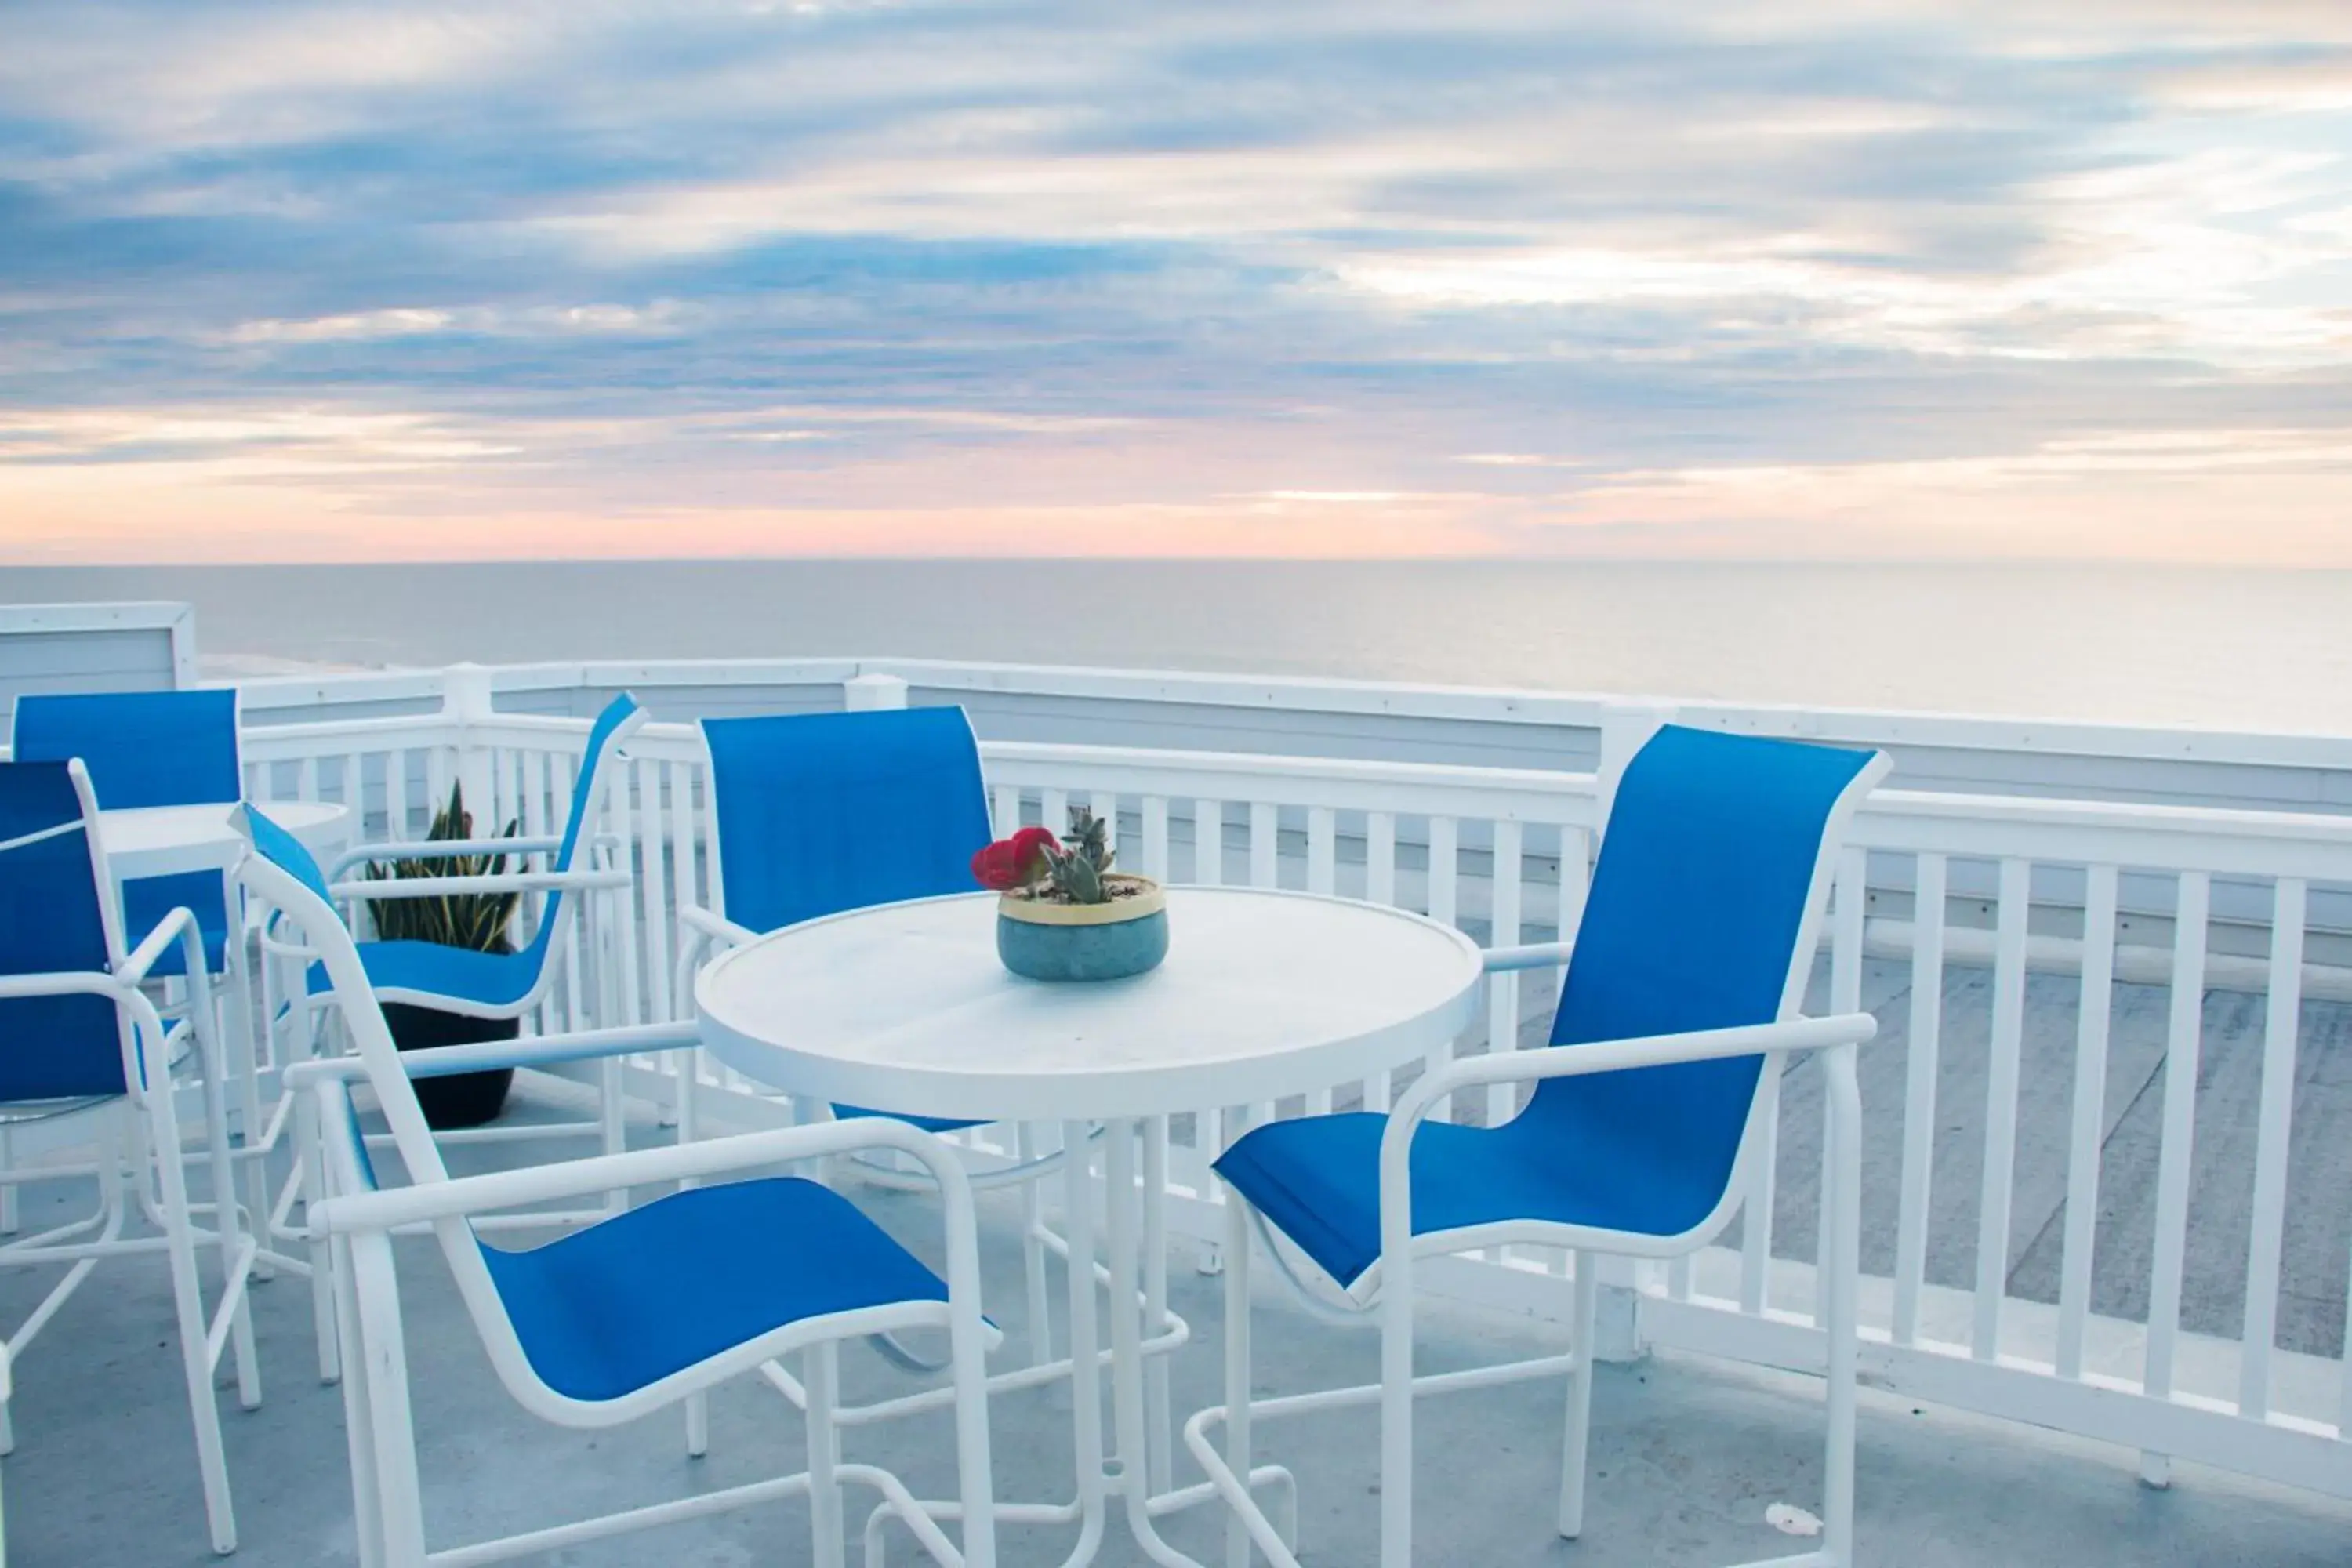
(2226, 648)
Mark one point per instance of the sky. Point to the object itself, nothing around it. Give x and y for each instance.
(1733, 279)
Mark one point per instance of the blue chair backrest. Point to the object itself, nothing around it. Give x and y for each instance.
(1702, 913)
(145, 748)
(142, 748)
(819, 812)
(620, 718)
(53, 920)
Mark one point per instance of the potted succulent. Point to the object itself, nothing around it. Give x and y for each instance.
(1062, 913)
(476, 920)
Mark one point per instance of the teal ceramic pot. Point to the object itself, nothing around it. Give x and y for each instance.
(1062, 943)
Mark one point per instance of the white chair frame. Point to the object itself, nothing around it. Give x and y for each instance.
(1384, 1295)
(147, 1143)
(356, 1226)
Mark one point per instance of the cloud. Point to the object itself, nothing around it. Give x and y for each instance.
(1800, 274)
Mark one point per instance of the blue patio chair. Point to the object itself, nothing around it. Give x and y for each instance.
(80, 1038)
(495, 984)
(1642, 1135)
(461, 981)
(638, 1312)
(167, 748)
(817, 813)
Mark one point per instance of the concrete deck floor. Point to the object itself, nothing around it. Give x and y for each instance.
(1687, 1453)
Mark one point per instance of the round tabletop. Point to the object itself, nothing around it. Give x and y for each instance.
(164, 840)
(1262, 994)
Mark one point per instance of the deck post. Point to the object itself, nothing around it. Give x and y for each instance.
(868, 693)
(465, 704)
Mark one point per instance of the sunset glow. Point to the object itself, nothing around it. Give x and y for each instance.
(1820, 279)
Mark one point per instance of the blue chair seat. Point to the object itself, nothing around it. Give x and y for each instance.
(487, 979)
(927, 1123)
(1317, 1179)
(606, 1311)
(147, 899)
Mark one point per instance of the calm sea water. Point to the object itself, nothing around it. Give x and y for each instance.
(2222, 648)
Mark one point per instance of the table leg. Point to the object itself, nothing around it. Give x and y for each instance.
(1085, 1378)
(1160, 1430)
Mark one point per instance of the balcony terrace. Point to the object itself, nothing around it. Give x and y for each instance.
(2073, 1274)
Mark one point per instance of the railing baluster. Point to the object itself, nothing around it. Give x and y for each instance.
(678, 779)
(1264, 845)
(1380, 888)
(2281, 1025)
(306, 779)
(2001, 1103)
(1502, 990)
(651, 878)
(1155, 837)
(531, 812)
(626, 951)
(395, 794)
(2087, 1138)
(1445, 874)
(1755, 1215)
(1851, 904)
(1919, 1092)
(1209, 843)
(2183, 1043)
(1054, 809)
(1006, 802)
(1322, 877)
(1379, 857)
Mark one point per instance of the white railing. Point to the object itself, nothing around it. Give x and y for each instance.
(2085, 895)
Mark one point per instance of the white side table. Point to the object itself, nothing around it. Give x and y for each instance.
(1264, 996)
(165, 840)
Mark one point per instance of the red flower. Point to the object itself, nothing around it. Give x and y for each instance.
(1014, 862)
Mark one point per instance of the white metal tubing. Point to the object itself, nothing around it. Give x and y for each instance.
(1503, 984)
(2087, 1138)
(2174, 1153)
(1843, 1178)
(1919, 1096)
(1238, 1350)
(2274, 1128)
(2001, 1105)
(1756, 1215)
(1086, 1372)
(1158, 1421)
(1576, 1443)
(820, 1369)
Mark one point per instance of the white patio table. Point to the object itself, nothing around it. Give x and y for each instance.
(165, 840)
(1264, 995)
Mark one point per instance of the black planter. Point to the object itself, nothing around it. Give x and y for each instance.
(460, 1099)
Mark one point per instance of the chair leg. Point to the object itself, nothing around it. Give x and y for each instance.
(187, 1299)
(697, 1406)
(820, 1373)
(359, 1416)
(382, 1360)
(229, 1228)
(1237, 1367)
(1396, 1411)
(1575, 1448)
(1841, 1322)
(238, 1025)
(310, 1170)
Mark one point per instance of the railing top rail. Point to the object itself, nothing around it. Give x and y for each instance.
(1500, 705)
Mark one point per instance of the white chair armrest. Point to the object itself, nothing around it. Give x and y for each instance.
(716, 927)
(1534, 955)
(442, 849)
(354, 1213)
(531, 1050)
(503, 882)
(180, 924)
